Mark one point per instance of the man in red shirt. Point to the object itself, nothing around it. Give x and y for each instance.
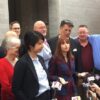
(84, 58)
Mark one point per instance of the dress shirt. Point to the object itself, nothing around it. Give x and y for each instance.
(42, 77)
(46, 53)
(95, 42)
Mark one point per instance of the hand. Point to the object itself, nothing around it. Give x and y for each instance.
(96, 88)
(62, 81)
(92, 94)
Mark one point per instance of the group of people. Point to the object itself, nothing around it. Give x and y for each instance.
(29, 65)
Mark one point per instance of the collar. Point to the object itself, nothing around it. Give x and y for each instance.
(35, 59)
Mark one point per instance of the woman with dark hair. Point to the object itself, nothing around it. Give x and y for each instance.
(30, 81)
(61, 68)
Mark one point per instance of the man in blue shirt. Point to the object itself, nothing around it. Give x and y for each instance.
(95, 43)
(40, 26)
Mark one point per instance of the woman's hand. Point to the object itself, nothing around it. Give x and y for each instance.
(62, 81)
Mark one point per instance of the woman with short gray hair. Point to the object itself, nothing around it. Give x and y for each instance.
(11, 45)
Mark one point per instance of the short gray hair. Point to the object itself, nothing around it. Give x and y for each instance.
(10, 41)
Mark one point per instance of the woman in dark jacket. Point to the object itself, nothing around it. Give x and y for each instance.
(30, 81)
(62, 68)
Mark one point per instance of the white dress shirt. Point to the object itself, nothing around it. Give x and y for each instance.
(42, 76)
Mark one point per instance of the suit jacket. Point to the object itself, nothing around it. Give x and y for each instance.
(53, 43)
(59, 68)
(25, 82)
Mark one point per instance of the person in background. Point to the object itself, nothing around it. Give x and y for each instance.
(30, 72)
(11, 45)
(65, 31)
(15, 27)
(62, 67)
(40, 26)
(2, 49)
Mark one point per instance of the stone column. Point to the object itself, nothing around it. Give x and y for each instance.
(4, 18)
(54, 17)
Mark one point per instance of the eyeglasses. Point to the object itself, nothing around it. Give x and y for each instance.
(16, 28)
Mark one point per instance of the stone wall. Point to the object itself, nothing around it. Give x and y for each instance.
(4, 18)
(79, 11)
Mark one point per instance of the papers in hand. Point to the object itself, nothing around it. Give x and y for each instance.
(56, 85)
(63, 82)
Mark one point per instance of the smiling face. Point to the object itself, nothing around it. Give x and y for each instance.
(40, 26)
(83, 33)
(14, 50)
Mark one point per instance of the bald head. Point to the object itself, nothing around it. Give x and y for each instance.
(40, 26)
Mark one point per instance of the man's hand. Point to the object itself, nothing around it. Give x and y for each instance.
(92, 94)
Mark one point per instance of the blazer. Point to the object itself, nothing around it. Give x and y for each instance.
(59, 68)
(25, 82)
(53, 43)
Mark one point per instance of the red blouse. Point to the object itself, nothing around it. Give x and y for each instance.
(6, 73)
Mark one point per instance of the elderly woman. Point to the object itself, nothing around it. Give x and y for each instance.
(11, 45)
(6, 35)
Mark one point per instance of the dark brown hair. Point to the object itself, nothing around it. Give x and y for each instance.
(11, 24)
(66, 22)
(58, 52)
